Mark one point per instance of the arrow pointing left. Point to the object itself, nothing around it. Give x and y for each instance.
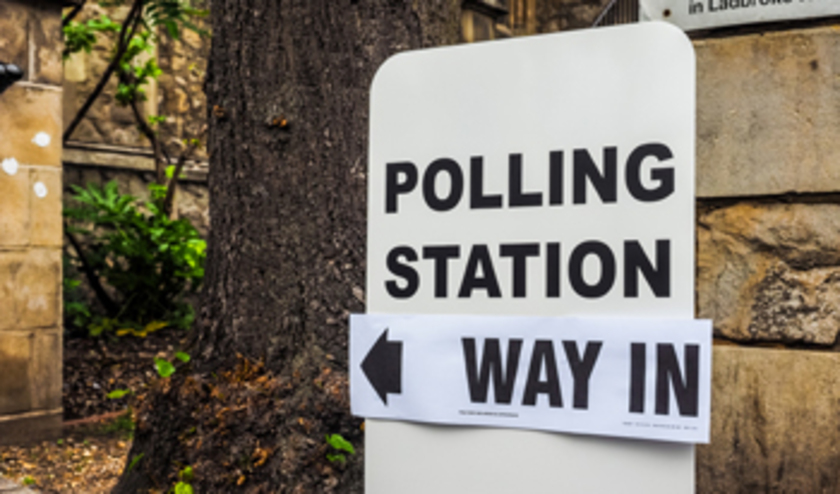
(383, 366)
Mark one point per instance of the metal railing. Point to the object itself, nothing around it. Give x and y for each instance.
(618, 12)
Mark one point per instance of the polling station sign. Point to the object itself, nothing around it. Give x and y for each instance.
(547, 176)
(708, 14)
(572, 189)
(625, 377)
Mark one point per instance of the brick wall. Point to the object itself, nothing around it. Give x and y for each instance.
(30, 222)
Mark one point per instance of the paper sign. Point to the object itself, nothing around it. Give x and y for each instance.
(633, 377)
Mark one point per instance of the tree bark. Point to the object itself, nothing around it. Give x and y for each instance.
(288, 84)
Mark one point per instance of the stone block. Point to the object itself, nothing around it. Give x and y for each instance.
(45, 26)
(15, 218)
(38, 289)
(14, 45)
(10, 263)
(15, 356)
(30, 428)
(45, 194)
(770, 272)
(45, 384)
(775, 422)
(768, 113)
(31, 125)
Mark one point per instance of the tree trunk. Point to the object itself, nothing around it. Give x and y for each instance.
(287, 90)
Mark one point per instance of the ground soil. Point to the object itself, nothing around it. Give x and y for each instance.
(93, 367)
(87, 460)
(92, 452)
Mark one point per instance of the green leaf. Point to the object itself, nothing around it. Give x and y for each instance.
(336, 458)
(186, 474)
(164, 367)
(118, 393)
(183, 488)
(183, 357)
(156, 119)
(338, 442)
(135, 461)
(28, 481)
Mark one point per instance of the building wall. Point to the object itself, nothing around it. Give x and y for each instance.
(768, 257)
(30, 222)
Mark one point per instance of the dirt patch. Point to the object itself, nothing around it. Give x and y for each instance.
(93, 367)
(92, 454)
(87, 460)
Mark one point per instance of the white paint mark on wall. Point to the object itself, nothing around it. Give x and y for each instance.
(10, 166)
(42, 139)
(40, 189)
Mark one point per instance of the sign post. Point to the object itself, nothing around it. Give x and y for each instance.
(542, 176)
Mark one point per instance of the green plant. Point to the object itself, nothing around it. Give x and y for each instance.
(141, 264)
(119, 394)
(81, 36)
(164, 367)
(124, 424)
(77, 315)
(135, 461)
(184, 486)
(135, 73)
(29, 481)
(339, 445)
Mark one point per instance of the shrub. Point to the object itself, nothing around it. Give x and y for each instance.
(141, 265)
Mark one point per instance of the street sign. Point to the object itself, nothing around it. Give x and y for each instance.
(706, 14)
(624, 377)
(541, 176)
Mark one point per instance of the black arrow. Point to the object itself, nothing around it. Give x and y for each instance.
(383, 366)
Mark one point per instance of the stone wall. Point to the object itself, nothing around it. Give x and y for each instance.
(106, 122)
(768, 257)
(178, 94)
(181, 86)
(30, 222)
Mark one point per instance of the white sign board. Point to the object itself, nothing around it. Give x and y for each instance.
(705, 14)
(549, 175)
(625, 377)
